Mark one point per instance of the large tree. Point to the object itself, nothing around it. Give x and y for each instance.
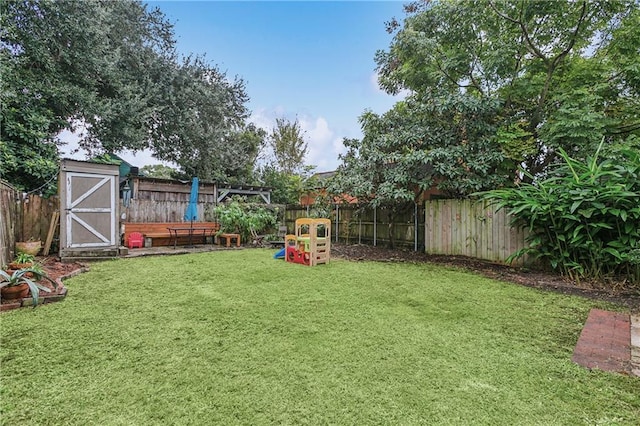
(68, 63)
(198, 120)
(111, 69)
(565, 73)
(288, 145)
(422, 142)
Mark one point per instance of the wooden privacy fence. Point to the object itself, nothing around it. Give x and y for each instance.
(22, 217)
(173, 211)
(468, 228)
(163, 211)
(369, 226)
(34, 216)
(7, 222)
(449, 227)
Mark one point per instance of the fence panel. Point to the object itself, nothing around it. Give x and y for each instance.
(140, 210)
(23, 217)
(7, 222)
(34, 216)
(468, 228)
(367, 226)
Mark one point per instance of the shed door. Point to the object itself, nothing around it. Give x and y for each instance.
(90, 210)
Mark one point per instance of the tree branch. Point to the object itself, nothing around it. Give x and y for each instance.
(532, 48)
(572, 40)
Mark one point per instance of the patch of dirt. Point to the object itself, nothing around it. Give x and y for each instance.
(615, 292)
(55, 269)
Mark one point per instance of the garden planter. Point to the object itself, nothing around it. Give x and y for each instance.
(15, 292)
(28, 247)
(14, 265)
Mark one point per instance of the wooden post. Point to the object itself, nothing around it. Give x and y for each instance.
(52, 230)
(375, 226)
(415, 226)
(337, 224)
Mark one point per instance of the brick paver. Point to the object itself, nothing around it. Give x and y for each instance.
(635, 344)
(605, 342)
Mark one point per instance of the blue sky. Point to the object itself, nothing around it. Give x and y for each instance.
(313, 60)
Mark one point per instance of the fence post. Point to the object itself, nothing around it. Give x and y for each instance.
(415, 226)
(337, 223)
(375, 226)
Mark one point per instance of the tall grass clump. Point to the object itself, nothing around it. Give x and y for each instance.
(584, 218)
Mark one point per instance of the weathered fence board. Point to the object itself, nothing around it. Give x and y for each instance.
(163, 211)
(451, 227)
(22, 217)
(468, 228)
(34, 216)
(7, 222)
(367, 226)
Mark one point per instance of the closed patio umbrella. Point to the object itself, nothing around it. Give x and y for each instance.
(192, 209)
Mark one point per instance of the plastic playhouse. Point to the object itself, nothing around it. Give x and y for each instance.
(311, 244)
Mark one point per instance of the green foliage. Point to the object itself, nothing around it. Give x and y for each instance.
(110, 69)
(68, 63)
(158, 171)
(106, 159)
(448, 140)
(241, 218)
(286, 188)
(21, 276)
(241, 153)
(203, 122)
(288, 145)
(24, 258)
(584, 219)
(565, 74)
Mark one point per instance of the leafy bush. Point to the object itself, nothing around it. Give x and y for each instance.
(238, 217)
(584, 219)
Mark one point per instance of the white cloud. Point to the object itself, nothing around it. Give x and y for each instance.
(324, 143)
(72, 150)
(375, 85)
(319, 139)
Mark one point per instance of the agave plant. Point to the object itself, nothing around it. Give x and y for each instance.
(21, 277)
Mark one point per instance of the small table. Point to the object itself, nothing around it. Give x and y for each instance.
(175, 232)
(229, 237)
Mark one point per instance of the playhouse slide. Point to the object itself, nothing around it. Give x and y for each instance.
(280, 254)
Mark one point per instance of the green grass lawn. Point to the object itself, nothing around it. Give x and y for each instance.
(235, 337)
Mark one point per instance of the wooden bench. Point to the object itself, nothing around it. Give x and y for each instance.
(158, 233)
(229, 237)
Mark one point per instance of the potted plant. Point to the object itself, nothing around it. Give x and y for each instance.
(31, 246)
(18, 285)
(22, 261)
